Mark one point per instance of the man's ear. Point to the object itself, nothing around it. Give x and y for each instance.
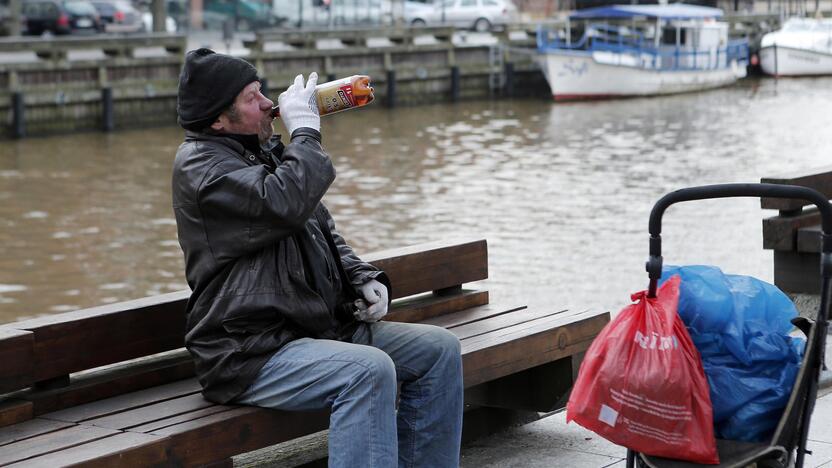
(220, 124)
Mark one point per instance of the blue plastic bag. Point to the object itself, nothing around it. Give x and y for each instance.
(740, 325)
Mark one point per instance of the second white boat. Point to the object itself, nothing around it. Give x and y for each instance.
(802, 47)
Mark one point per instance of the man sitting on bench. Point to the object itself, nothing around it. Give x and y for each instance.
(283, 313)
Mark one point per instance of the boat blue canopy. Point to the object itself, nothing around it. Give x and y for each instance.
(673, 11)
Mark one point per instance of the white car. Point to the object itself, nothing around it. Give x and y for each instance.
(147, 23)
(479, 15)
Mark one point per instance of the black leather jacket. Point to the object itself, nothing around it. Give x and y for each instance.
(256, 258)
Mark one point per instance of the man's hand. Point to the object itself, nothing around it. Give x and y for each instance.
(374, 305)
(298, 105)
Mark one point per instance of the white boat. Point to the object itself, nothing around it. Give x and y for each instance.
(640, 50)
(803, 46)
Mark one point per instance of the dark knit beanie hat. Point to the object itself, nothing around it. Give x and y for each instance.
(208, 84)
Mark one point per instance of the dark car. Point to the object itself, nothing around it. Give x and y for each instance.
(118, 15)
(61, 17)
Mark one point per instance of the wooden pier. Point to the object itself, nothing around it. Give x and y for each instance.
(52, 85)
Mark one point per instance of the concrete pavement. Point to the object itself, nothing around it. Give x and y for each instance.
(551, 442)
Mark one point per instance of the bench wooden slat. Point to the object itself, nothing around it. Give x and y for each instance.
(98, 384)
(513, 319)
(16, 351)
(181, 418)
(14, 411)
(472, 315)
(513, 349)
(152, 413)
(423, 307)
(819, 179)
(125, 449)
(240, 430)
(125, 330)
(52, 441)
(31, 428)
(433, 266)
(128, 401)
(544, 322)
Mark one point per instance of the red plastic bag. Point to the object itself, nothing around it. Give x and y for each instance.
(641, 384)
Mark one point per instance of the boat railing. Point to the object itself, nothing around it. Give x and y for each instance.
(635, 51)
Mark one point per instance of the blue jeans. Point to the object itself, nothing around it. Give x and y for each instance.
(358, 382)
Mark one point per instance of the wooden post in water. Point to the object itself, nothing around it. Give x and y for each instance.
(107, 114)
(508, 88)
(391, 88)
(455, 83)
(18, 115)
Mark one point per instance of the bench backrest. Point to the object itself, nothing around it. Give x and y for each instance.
(49, 348)
(819, 179)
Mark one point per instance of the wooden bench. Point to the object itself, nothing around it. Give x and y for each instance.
(112, 385)
(794, 234)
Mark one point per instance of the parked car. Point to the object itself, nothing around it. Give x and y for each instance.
(147, 23)
(319, 13)
(246, 15)
(61, 17)
(118, 16)
(479, 15)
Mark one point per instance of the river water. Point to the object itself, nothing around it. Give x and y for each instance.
(562, 193)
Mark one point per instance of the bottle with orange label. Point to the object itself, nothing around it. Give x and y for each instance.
(340, 95)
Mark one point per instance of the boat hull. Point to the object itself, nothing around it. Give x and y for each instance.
(576, 76)
(788, 61)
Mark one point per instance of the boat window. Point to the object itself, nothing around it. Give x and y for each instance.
(669, 36)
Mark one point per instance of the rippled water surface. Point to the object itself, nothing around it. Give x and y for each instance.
(561, 192)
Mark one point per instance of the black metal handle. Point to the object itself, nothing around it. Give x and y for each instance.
(654, 262)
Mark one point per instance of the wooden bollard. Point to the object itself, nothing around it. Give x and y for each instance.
(508, 88)
(107, 114)
(391, 88)
(455, 83)
(18, 115)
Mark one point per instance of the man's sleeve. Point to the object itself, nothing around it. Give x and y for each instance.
(358, 270)
(247, 207)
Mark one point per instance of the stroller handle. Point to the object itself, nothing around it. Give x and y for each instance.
(705, 192)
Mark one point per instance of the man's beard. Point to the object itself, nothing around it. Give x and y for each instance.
(265, 131)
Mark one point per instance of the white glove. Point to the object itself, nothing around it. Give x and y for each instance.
(374, 305)
(299, 106)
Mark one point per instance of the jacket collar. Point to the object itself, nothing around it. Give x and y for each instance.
(242, 144)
